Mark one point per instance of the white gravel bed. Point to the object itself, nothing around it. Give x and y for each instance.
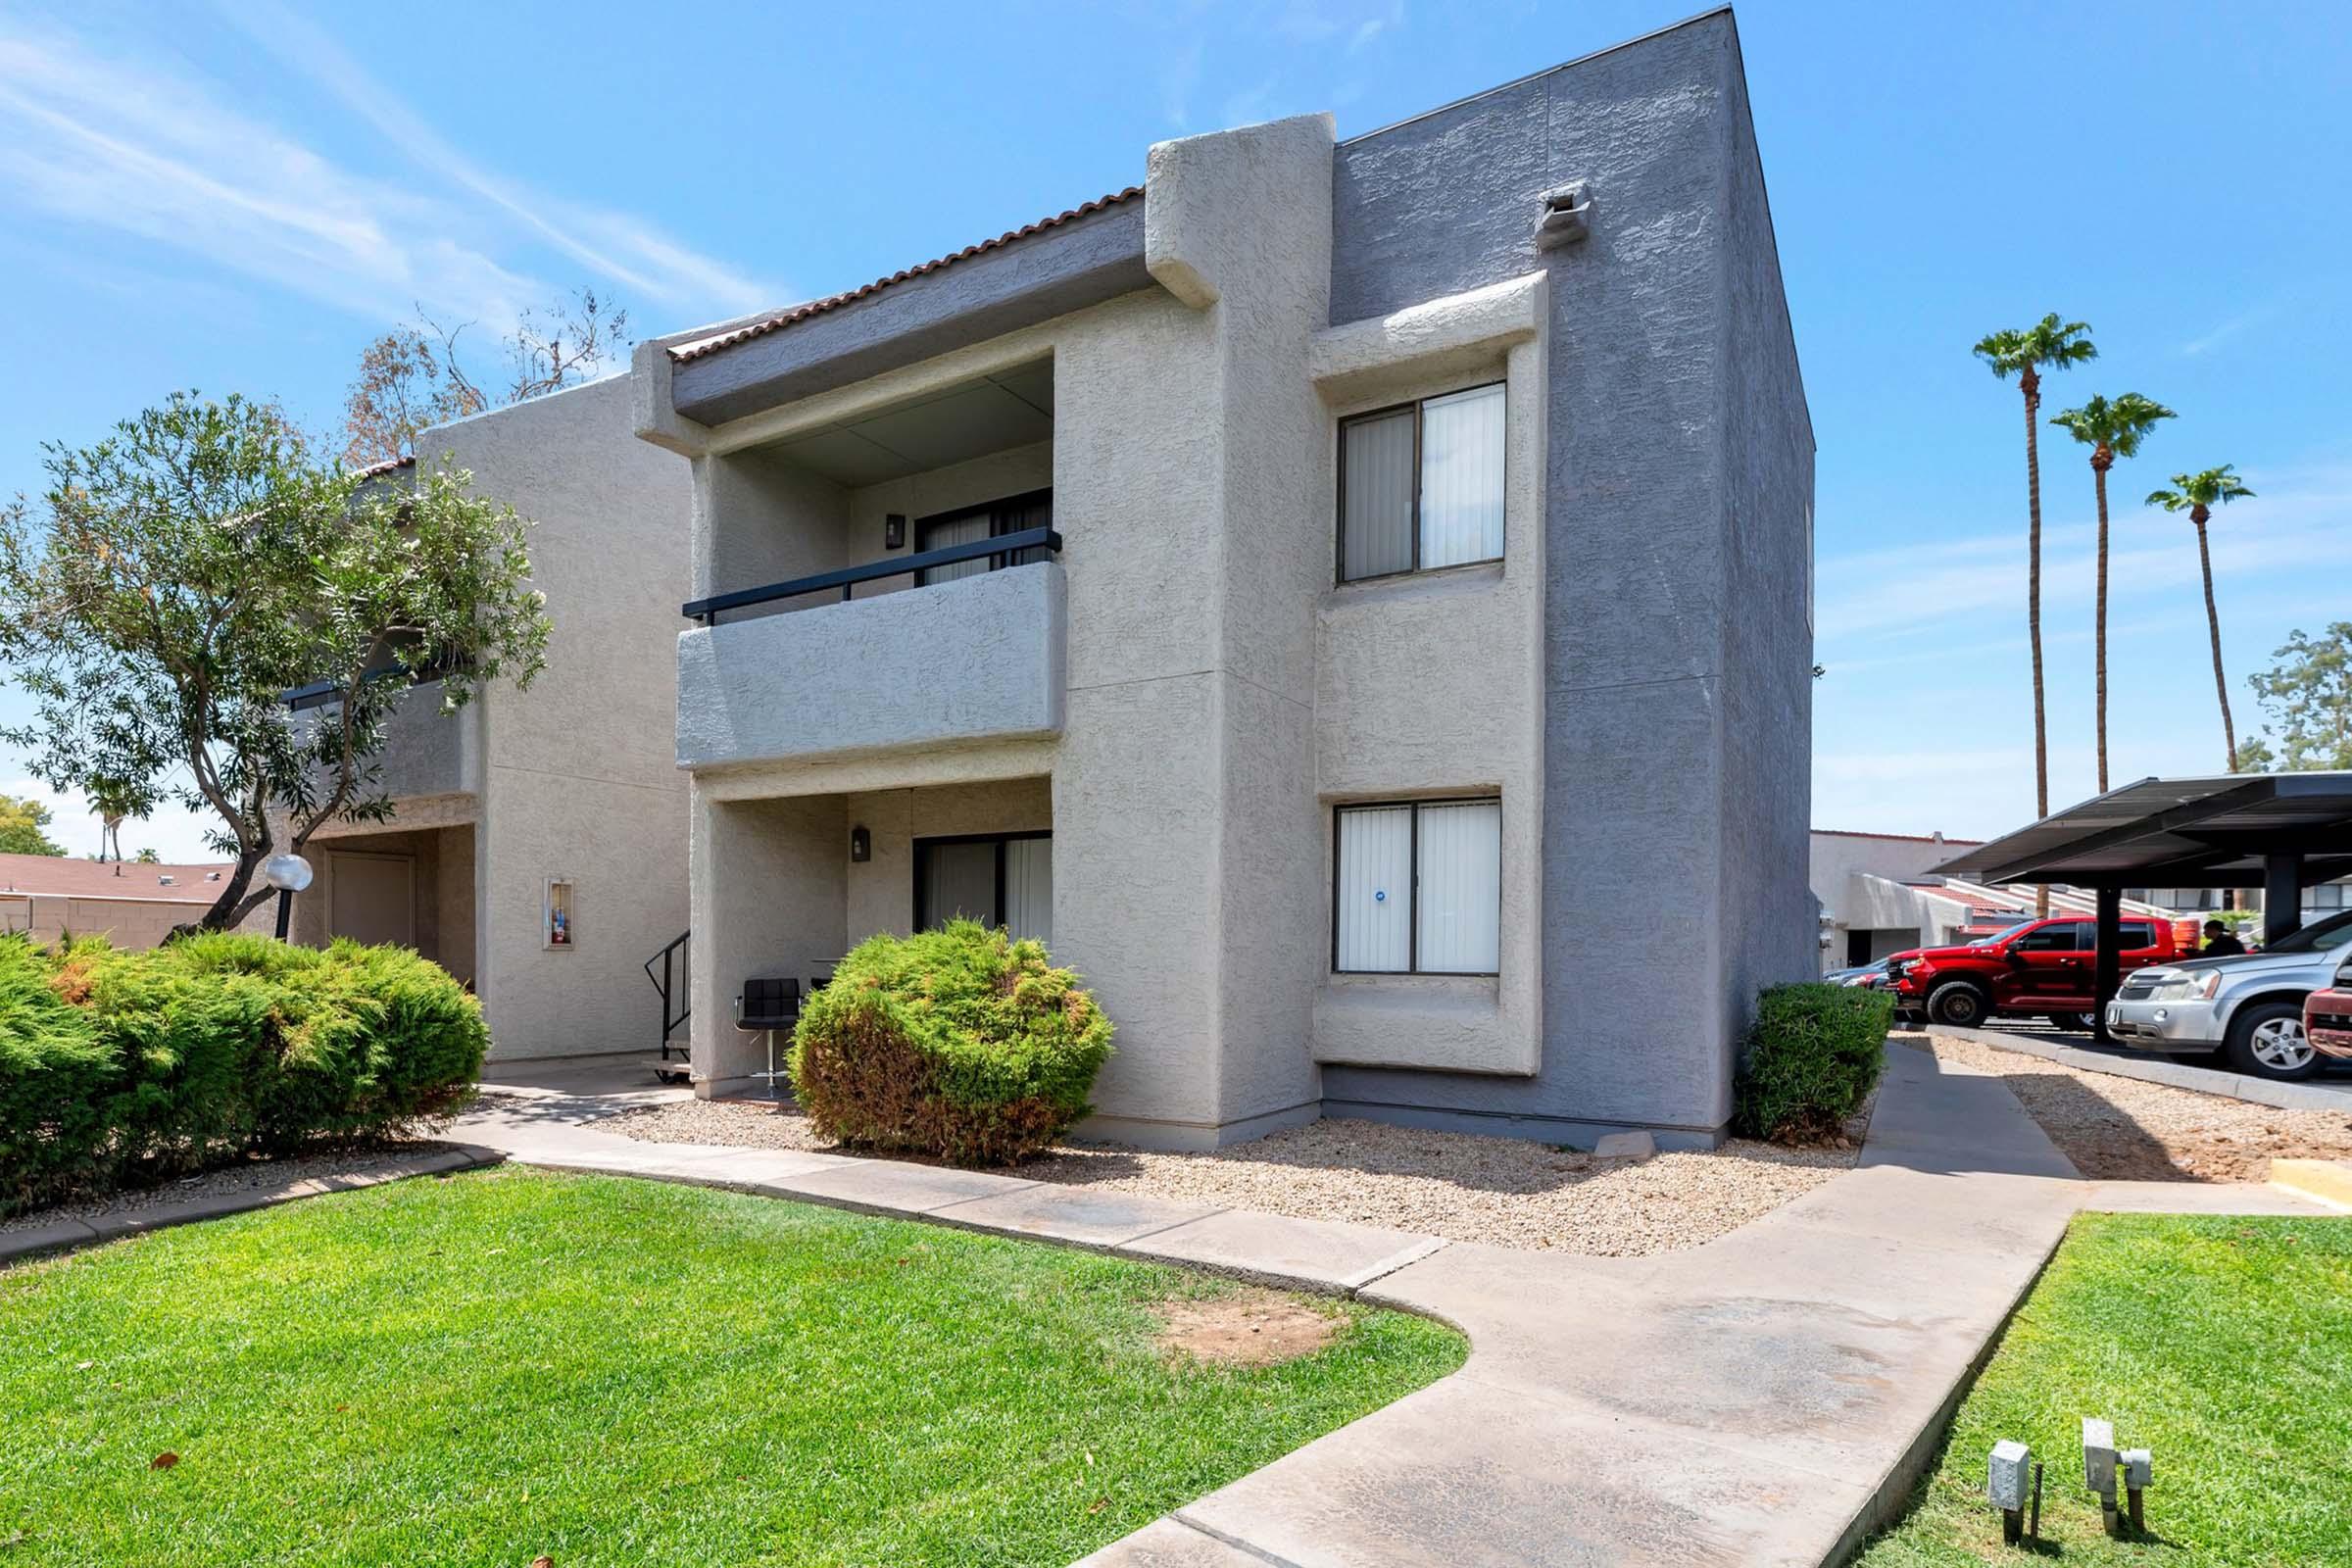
(1508, 1191)
(254, 1176)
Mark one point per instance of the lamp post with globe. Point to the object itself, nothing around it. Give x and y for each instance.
(289, 875)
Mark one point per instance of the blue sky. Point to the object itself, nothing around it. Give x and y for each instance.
(237, 198)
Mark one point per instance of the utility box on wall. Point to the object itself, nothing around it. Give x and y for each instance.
(556, 918)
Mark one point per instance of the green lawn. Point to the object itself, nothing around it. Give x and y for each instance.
(2224, 1345)
(481, 1369)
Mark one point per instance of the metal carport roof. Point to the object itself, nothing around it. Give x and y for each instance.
(2166, 832)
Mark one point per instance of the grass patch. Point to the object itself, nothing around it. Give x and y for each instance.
(490, 1367)
(2223, 1344)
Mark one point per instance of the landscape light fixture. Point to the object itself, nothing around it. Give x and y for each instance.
(2099, 1469)
(2013, 1482)
(289, 875)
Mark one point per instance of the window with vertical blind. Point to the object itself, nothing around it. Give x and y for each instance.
(1417, 888)
(971, 524)
(1421, 485)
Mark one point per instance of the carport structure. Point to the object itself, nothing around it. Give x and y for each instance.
(2279, 832)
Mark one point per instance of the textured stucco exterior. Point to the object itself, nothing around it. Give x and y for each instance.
(576, 776)
(833, 680)
(1631, 680)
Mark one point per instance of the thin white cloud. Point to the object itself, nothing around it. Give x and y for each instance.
(622, 248)
(1178, 81)
(129, 147)
(2229, 329)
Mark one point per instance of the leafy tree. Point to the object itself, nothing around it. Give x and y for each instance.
(2025, 351)
(2197, 494)
(2307, 695)
(2112, 431)
(23, 827)
(414, 377)
(197, 564)
(144, 857)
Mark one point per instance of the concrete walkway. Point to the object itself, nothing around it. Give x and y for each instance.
(1768, 1397)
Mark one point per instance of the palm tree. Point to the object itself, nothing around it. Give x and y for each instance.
(114, 803)
(2022, 353)
(2111, 430)
(2197, 494)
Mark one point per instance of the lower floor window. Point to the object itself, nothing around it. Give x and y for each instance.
(1417, 888)
(999, 879)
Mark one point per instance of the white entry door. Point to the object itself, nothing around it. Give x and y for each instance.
(371, 898)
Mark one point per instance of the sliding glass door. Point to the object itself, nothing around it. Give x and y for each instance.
(999, 879)
(992, 520)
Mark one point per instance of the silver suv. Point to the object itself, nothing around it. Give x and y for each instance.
(2248, 1006)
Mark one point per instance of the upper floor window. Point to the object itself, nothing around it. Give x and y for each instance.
(1421, 485)
(990, 520)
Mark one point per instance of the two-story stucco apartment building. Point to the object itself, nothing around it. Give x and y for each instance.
(1351, 598)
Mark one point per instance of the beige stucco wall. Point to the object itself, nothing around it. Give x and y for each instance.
(577, 774)
(881, 891)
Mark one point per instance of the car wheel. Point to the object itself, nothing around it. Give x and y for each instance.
(1961, 1004)
(2267, 1041)
(2079, 1022)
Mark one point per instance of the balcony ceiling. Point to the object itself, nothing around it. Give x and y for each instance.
(1011, 408)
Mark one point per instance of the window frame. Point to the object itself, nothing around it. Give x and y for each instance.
(921, 858)
(1416, 405)
(1412, 908)
(993, 511)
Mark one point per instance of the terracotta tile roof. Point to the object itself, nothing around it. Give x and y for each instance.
(65, 876)
(1899, 838)
(801, 313)
(375, 471)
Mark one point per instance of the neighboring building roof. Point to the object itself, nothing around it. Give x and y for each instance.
(63, 876)
(376, 471)
(683, 351)
(1899, 838)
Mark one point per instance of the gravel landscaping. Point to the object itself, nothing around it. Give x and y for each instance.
(1508, 1191)
(2121, 1129)
(254, 1176)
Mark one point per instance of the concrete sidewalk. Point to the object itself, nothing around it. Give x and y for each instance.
(1768, 1397)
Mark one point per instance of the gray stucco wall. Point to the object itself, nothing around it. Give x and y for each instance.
(1675, 656)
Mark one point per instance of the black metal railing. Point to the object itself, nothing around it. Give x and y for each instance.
(1029, 544)
(675, 985)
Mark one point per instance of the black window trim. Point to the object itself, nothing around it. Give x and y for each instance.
(995, 511)
(1412, 912)
(922, 848)
(1414, 406)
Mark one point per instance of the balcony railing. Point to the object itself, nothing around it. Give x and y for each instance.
(1024, 546)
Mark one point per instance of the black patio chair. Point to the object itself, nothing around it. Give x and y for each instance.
(767, 1004)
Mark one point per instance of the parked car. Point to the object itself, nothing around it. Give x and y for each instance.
(2248, 1007)
(2327, 1016)
(1861, 974)
(2036, 968)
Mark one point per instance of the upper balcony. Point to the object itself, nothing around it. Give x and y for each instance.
(879, 581)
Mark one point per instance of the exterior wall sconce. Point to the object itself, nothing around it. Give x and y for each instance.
(861, 845)
(894, 532)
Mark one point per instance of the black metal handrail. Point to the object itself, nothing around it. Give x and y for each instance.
(678, 952)
(706, 610)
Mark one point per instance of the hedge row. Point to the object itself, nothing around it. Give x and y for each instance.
(128, 1069)
(964, 1043)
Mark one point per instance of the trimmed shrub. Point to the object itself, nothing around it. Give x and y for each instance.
(962, 1043)
(1812, 1058)
(128, 1069)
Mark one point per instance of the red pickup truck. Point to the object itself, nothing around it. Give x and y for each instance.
(2043, 968)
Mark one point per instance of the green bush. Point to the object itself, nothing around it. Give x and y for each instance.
(126, 1068)
(961, 1043)
(1812, 1058)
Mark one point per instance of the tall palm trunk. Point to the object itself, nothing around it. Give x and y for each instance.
(2101, 460)
(2213, 623)
(2031, 383)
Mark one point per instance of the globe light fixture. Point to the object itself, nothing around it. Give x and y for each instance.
(289, 875)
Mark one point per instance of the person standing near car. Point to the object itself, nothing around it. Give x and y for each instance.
(2219, 944)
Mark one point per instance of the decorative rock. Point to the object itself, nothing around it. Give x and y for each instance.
(1626, 1145)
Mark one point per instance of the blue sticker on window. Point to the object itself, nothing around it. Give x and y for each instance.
(1380, 895)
